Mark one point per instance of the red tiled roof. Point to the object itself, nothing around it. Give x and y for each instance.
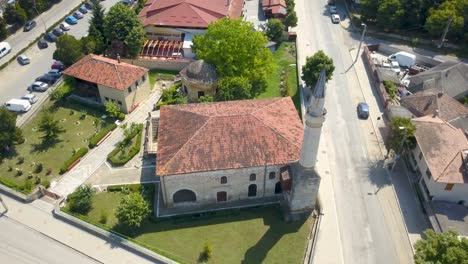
(105, 71)
(188, 13)
(268, 3)
(227, 135)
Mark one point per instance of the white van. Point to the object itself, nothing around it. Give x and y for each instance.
(18, 105)
(5, 48)
(403, 58)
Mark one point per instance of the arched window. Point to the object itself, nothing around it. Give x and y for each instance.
(272, 175)
(252, 190)
(278, 188)
(221, 196)
(182, 196)
(223, 180)
(253, 177)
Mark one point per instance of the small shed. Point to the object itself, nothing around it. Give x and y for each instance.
(199, 78)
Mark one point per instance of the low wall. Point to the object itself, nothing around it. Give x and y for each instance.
(27, 198)
(366, 57)
(171, 65)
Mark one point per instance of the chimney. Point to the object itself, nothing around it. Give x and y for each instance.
(436, 113)
(440, 94)
(118, 58)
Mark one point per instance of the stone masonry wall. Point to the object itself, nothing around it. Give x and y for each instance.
(172, 65)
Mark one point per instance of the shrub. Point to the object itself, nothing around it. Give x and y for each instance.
(118, 157)
(78, 154)
(19, 172)
(64, 90)
(101, 134)
(121, 116)
(28, 185)
(81, 200)
(20, 160)
(132, 210)
(207, 252)
(391, 89)
(46, 184)
(49, 171)
(38, 168)
(171, 96)
(103, 217)
(10, 168)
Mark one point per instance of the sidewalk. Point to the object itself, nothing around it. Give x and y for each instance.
(97, 157)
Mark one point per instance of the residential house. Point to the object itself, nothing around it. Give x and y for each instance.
(102, 80)
(274, 8)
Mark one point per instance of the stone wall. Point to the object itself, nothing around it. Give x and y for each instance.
(171, 65)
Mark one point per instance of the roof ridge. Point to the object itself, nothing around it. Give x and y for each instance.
(276, 131)
(273, 101)
(448, 164)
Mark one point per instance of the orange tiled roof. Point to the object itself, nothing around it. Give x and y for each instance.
(188, 13)
(105, 71)
(227, 135)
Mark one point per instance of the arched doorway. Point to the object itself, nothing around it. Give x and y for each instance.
(182, 196)
(278, 188)
(252, 190)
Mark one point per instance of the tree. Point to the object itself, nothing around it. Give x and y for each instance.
(50, 127)
(122, 24)
(291, 19)
(96, 26)
(402, 132)
(9, 132)
(3, 29)
(205, 99)
(112, 109)
(132, 210)
(439, 17)
(81, 200)
(88, 45)
(234, 88)
(207, 252)
(389, 14)
(314, 65)
(275, 30)
(444, 248)
(15, 14)
(369, 9)
(68, 50)
(236, 50)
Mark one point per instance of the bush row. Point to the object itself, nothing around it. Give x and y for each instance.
(100, 135)
(118, 160)
(78, 154)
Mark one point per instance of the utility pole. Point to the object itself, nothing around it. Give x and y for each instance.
(360, 42)
(38, 15)
(441, 44)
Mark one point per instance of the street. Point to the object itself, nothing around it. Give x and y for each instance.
(20, 244)
(362, 207)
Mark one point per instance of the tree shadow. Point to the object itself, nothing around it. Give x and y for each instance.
(377, 174)
(45, 144)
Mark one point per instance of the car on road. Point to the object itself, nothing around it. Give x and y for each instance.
(83, 9)
(46, 78)
(78, 15)
(64, 26)
(32, 98)
(332, 9)
(38, 86)
(363, 110)
(23, 59)
(335, 18)
(57, 32)
(5, 48)
(50, 37)
(58, 65)
(18, 105)
(42, 44)
(71, 20)
(29, 25)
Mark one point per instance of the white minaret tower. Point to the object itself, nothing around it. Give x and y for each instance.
(305, 179)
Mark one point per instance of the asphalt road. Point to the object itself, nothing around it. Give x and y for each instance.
(16, 78)
(20, 244)
(365, 234)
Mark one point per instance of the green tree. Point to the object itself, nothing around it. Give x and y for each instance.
(9, 132)
(389, 14)
(122, 24)
(112, 109)
(171, 96)
(132, 210)
(207, 252)
(68, 50)
(15, 14)
(236, 50)
(88, 45)
(81, 200)
(3, 29)
(444, 248)
(205, 99)
(438, 19)
(50, 127)
(314, 65)
(402, 132)
(413, 13)
(291, 19)
(369, 9)
(234, 88)
(275, 30)
(96, 27)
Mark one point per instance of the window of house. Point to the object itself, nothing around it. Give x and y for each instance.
(144, 77)
(223, 180)
(200, 94)
(449, 186)
(428, 173)
(272, 175)
(129, 89)
(252, 190)
(420, 156)
(253, 177)
(119, 102)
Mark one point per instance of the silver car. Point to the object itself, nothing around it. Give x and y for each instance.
(32, 98)
(23, 59)
(38, 86)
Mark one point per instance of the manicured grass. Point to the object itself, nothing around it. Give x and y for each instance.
(79, 127)
(156, 74)
(256, 235)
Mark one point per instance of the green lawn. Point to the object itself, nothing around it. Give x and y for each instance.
(283, 58)
(79, 127)
(156, 74)
(257, 235)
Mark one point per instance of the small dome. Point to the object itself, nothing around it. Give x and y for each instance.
(201, 70)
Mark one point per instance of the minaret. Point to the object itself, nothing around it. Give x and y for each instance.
(305, 179)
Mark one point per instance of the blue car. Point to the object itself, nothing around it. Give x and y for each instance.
(363, 110)
(83, 9)
(71, 20)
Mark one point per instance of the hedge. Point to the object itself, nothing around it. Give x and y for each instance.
(100, 135)
(78, 154)
(14, 186)
(116, 160)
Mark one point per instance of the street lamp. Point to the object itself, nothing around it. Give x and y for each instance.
(39, 16)
(360, 42)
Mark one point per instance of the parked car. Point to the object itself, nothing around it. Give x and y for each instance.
(5, 48)
(32, 98)
(127, 2)
(55, 73)
(335, 18)
(38, 86)
(29, 25)
(23, 59)
(83, 9)
(332, 9)
(78, 15)
(58, 65)
(57, 32)
(50, 37)
(64, 26)
(18, 105)
(391, 65)
(71, 20)
(42, 44)
(331, 2)
(363, 110)
(46, 78)
(89, 5)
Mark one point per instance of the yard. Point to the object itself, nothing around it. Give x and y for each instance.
(284, 59)
(156, 74)
(257, 235)
(36, 162)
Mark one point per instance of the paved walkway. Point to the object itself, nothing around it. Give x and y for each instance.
(97, 157)
(106, 175)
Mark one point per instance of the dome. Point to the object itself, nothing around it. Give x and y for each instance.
(201, 71)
